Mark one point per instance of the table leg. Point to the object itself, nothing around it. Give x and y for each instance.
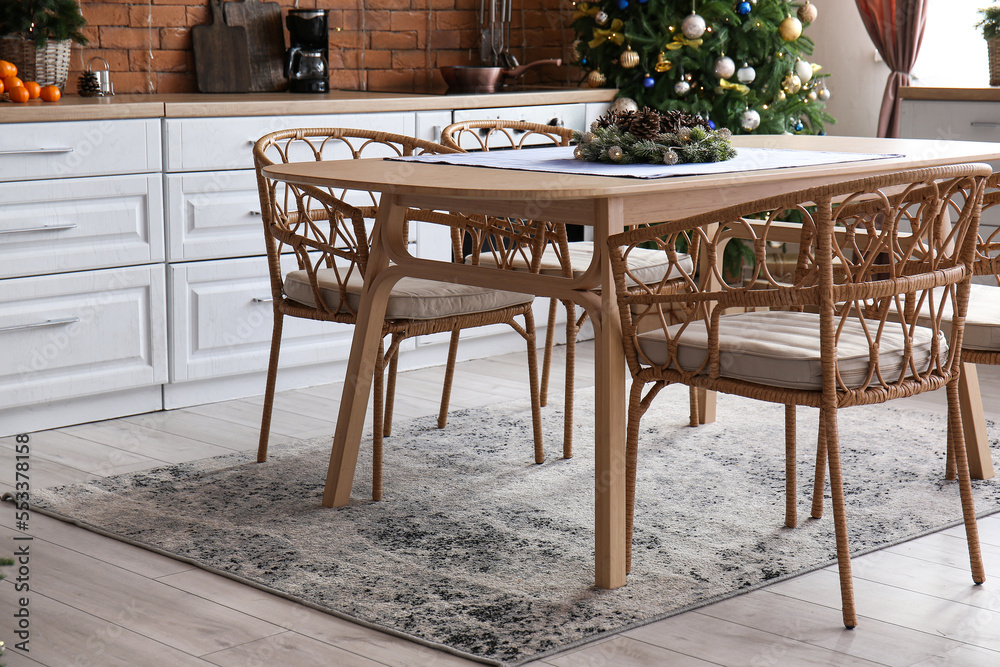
(609, 426)
(361, 364)
(706, 406)
(977, 443)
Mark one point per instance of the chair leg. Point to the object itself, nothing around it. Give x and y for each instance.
(950, 471)
(390, 386)
(694, 393)
(536, 410)
(819, 481)
(791, 517)
(449, 377)
(571, 332)
(378, 408)
(272, 377)
(550, 339)
(964, 483)
(631, 464)
(829, 420)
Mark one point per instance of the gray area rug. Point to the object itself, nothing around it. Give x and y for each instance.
(478, 550)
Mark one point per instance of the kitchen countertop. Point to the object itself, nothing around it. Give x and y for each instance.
(194, 105)
(950, 94)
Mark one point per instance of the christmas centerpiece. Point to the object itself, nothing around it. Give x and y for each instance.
(742, 65)
(629, 135)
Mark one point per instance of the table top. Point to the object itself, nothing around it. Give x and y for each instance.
(478, 189)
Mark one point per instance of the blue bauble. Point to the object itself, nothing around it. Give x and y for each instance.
(711, 124)
(743, 8)
(822, 133)
(799, 126)
(622, 4)
(583, 61)
(649, 82)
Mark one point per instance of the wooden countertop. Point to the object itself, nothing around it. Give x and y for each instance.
(950, 94)
(193, 105)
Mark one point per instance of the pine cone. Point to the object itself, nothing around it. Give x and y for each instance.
(645, 124)
(87, 85)
(674, 120)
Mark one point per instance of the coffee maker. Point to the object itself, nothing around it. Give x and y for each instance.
(307, 64)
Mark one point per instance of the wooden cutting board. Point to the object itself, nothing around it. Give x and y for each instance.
(221, 57)
(265, 39)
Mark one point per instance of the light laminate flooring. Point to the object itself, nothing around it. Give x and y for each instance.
(100, 602)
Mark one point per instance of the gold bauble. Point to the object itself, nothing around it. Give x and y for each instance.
(662, 64)
(629, 58)
(807, 12)
(595, 79)
(791, 84)
(790, 29)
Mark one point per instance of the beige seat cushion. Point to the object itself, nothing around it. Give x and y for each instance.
(411, 298)
(648, 265)
(782, 349)
(982, 324)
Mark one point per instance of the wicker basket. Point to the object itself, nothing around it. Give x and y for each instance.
(48, 66)
(993, 47)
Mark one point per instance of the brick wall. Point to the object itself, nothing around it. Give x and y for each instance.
(375, 44)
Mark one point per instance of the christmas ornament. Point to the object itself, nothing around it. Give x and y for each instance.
(743, 8)
(798, 125)
(662, 64)
(648, 81)
(790, 29)
(807, 12)
(823, 94)
(595, 79)
(629, 58)
(682, 87)
(804, 71)
(693, 26)
(724, 67)
(623, 4)
(746, 74)
(620, 105)
(750, 120)
(601, 18)
(812, 96)
(615, 153)
(576, 51)
(578, 152)
(791, 84)
(781, 95)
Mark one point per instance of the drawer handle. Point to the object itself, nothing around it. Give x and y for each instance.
(984, 123)
(32, 151)
(254, 212)
(38, 325)
(258, 299)
(44, 228)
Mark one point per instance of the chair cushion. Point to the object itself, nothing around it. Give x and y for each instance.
(982, 324)
(647, 264)
(411, 298)
(782, 349)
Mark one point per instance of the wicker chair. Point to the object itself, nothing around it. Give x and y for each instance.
(328, 232)
(844, 334)
(561, 257)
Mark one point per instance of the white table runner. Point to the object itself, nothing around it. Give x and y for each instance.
(559, 159)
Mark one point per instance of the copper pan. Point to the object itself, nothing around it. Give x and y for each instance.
(485, 79)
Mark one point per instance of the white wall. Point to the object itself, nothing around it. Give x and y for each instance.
(953, 54)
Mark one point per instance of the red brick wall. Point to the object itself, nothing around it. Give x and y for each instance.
(390, 45)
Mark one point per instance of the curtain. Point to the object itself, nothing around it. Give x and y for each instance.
(896, 27)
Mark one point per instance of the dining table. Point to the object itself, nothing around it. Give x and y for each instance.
(606, 204)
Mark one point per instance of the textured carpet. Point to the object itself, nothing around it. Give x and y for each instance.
(478, 550)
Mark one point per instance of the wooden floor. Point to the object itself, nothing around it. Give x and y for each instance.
(96, 601)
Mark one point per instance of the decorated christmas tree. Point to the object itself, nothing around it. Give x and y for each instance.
(741, 65)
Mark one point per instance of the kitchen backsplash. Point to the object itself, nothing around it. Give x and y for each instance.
(392, 45)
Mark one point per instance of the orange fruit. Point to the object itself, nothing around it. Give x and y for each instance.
(1, 86)
(18, 94)
(50, 94)
(11, 82)
(7, 69)
(34, 90)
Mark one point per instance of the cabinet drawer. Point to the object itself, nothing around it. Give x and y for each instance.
(564, 115)
(79, 148)
(949, 120)
(80, 223)
(206, 144)
(221, 321)
(80, 334)
(213, 215)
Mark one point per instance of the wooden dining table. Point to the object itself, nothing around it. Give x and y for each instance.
(607, 205)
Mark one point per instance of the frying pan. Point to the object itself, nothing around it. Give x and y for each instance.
(485, 79)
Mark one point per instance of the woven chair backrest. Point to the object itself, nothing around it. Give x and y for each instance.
(886, 255)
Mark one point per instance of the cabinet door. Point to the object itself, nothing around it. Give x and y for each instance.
(79, 334)
(210, 144)
(79, 148)
(222, 317)
(80, 223)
